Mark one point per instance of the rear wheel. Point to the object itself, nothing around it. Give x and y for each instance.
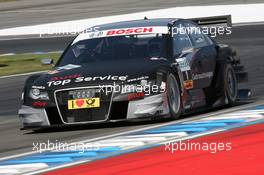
(224, 85)
(174, 96)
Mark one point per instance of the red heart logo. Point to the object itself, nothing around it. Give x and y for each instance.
(79, 103)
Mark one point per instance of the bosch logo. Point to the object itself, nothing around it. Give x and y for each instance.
(130, 31)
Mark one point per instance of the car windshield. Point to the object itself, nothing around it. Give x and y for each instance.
(115, 48)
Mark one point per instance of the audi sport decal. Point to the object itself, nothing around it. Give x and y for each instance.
(120, 32)
(57, 78)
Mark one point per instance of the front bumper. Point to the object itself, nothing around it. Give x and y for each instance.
(31, 117)
(150, 106)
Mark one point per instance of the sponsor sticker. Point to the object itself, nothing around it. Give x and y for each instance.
(130, 31)
(84, 103)
(142, 78)
(38, 87)
(121, 31)
(77, 79)
(57, 78)
(188, 84)
(202, 75)
(68, 67)
(53, 72)
(183, 64)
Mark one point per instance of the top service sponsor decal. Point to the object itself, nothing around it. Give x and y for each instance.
(87, 79)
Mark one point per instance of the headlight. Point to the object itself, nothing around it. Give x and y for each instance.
(37, 94)
(22, 96)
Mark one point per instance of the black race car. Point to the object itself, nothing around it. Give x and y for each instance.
(130, 70)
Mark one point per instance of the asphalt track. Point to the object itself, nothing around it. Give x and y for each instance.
(31, 12)
(186, 162)
(248, 40)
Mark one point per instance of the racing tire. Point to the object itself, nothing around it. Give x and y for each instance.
(224, 85)
(230, 84)
(174, 96)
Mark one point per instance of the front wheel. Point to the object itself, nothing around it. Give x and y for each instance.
(230, 84)
(174, 96)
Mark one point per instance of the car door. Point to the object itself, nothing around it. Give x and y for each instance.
(204, 58)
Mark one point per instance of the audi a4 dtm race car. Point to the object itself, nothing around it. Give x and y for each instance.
(131, 70)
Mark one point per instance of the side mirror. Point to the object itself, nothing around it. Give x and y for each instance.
(185, 51)
(46, 61)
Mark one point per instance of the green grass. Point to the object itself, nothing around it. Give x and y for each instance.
(7, 0)
(23, 63)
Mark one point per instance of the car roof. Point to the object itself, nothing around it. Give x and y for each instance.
(137, 23)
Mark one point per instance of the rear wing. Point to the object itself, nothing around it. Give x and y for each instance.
(215, 26)
(218, 21)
